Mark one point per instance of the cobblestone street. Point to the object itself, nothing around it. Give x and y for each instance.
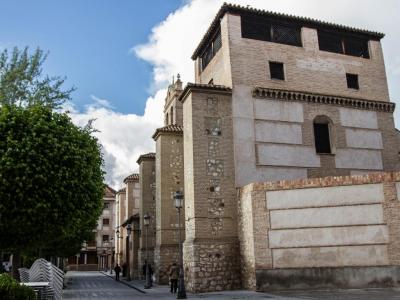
(96, 285)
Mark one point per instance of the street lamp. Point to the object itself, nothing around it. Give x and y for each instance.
(178, 197)
(129, 230)
(111, 256)
(146, 221)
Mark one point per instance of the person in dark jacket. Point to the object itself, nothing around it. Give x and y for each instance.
(173, 277)
(117, 270)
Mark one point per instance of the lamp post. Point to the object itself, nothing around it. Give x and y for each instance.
(146, 221)
(128, 230)
(111, 256)
(178, 197)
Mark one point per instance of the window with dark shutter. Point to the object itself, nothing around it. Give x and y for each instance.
(106, 222)
(352, 81)
(339, 43)
(322, 139)
(276, 70)
(330, 42)
(211, 50)
(263, 29)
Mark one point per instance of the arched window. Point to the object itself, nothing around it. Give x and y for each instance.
(322, 135)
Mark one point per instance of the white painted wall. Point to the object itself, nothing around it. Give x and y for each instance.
(274, 132)
(358, 118)
(285, 155)
(327, 196)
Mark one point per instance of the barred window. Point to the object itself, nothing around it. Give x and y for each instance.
(337, 43)
(261, 28)
(285, 35)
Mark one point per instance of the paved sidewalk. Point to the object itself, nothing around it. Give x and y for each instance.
(100, 285)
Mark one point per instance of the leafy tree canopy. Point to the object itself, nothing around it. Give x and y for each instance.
(22, 81)
(51, 181)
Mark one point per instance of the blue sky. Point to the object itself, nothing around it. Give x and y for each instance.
(89, 42)
(126, 52)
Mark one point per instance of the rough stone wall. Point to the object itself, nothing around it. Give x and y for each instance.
(147, 205)
(169, 179)
(332, 222)
(211, 247)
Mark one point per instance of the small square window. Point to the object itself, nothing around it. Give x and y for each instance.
(106, 222)
(105, 238)
(106, 205)
(276, 70)
(352, 81)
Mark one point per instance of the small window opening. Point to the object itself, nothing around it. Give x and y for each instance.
(322, 138)
(105, 238)
(352, 81)
(106, 221)
(276, 70)
(172, 115)
(166, 119)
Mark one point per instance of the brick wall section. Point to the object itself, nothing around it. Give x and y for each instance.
(306, 68)
(252, 202)
(391, 215)
(211, 250)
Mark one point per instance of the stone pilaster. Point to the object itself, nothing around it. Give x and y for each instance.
(211, 250)
(147, 204)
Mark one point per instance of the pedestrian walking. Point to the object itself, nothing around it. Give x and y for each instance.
(117, 270)
(173, 277)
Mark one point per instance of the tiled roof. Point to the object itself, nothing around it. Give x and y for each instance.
(204, 87)
(169, 129)
(150, 155)
(109, 192)
(123, 190)
(237, 9)
(132, 177)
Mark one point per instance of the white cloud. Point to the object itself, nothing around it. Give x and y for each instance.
(101, 102)
(172, 43)
(123, 136)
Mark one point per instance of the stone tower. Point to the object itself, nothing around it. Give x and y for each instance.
(147, 205)
(169, 179)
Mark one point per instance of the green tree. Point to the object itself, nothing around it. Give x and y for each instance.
(22, 81)
(51, 183)
(51, 178)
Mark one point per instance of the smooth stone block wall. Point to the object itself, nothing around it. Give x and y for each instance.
(358, 159)
(338, 195)
(358, 118)
(278, 132)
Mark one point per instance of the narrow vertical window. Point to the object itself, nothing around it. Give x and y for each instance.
(172, 115)
(322, 138)
(276, 70)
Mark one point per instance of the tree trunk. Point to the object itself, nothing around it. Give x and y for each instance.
(16, 264)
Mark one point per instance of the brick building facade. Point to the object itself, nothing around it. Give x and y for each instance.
(303, 106)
